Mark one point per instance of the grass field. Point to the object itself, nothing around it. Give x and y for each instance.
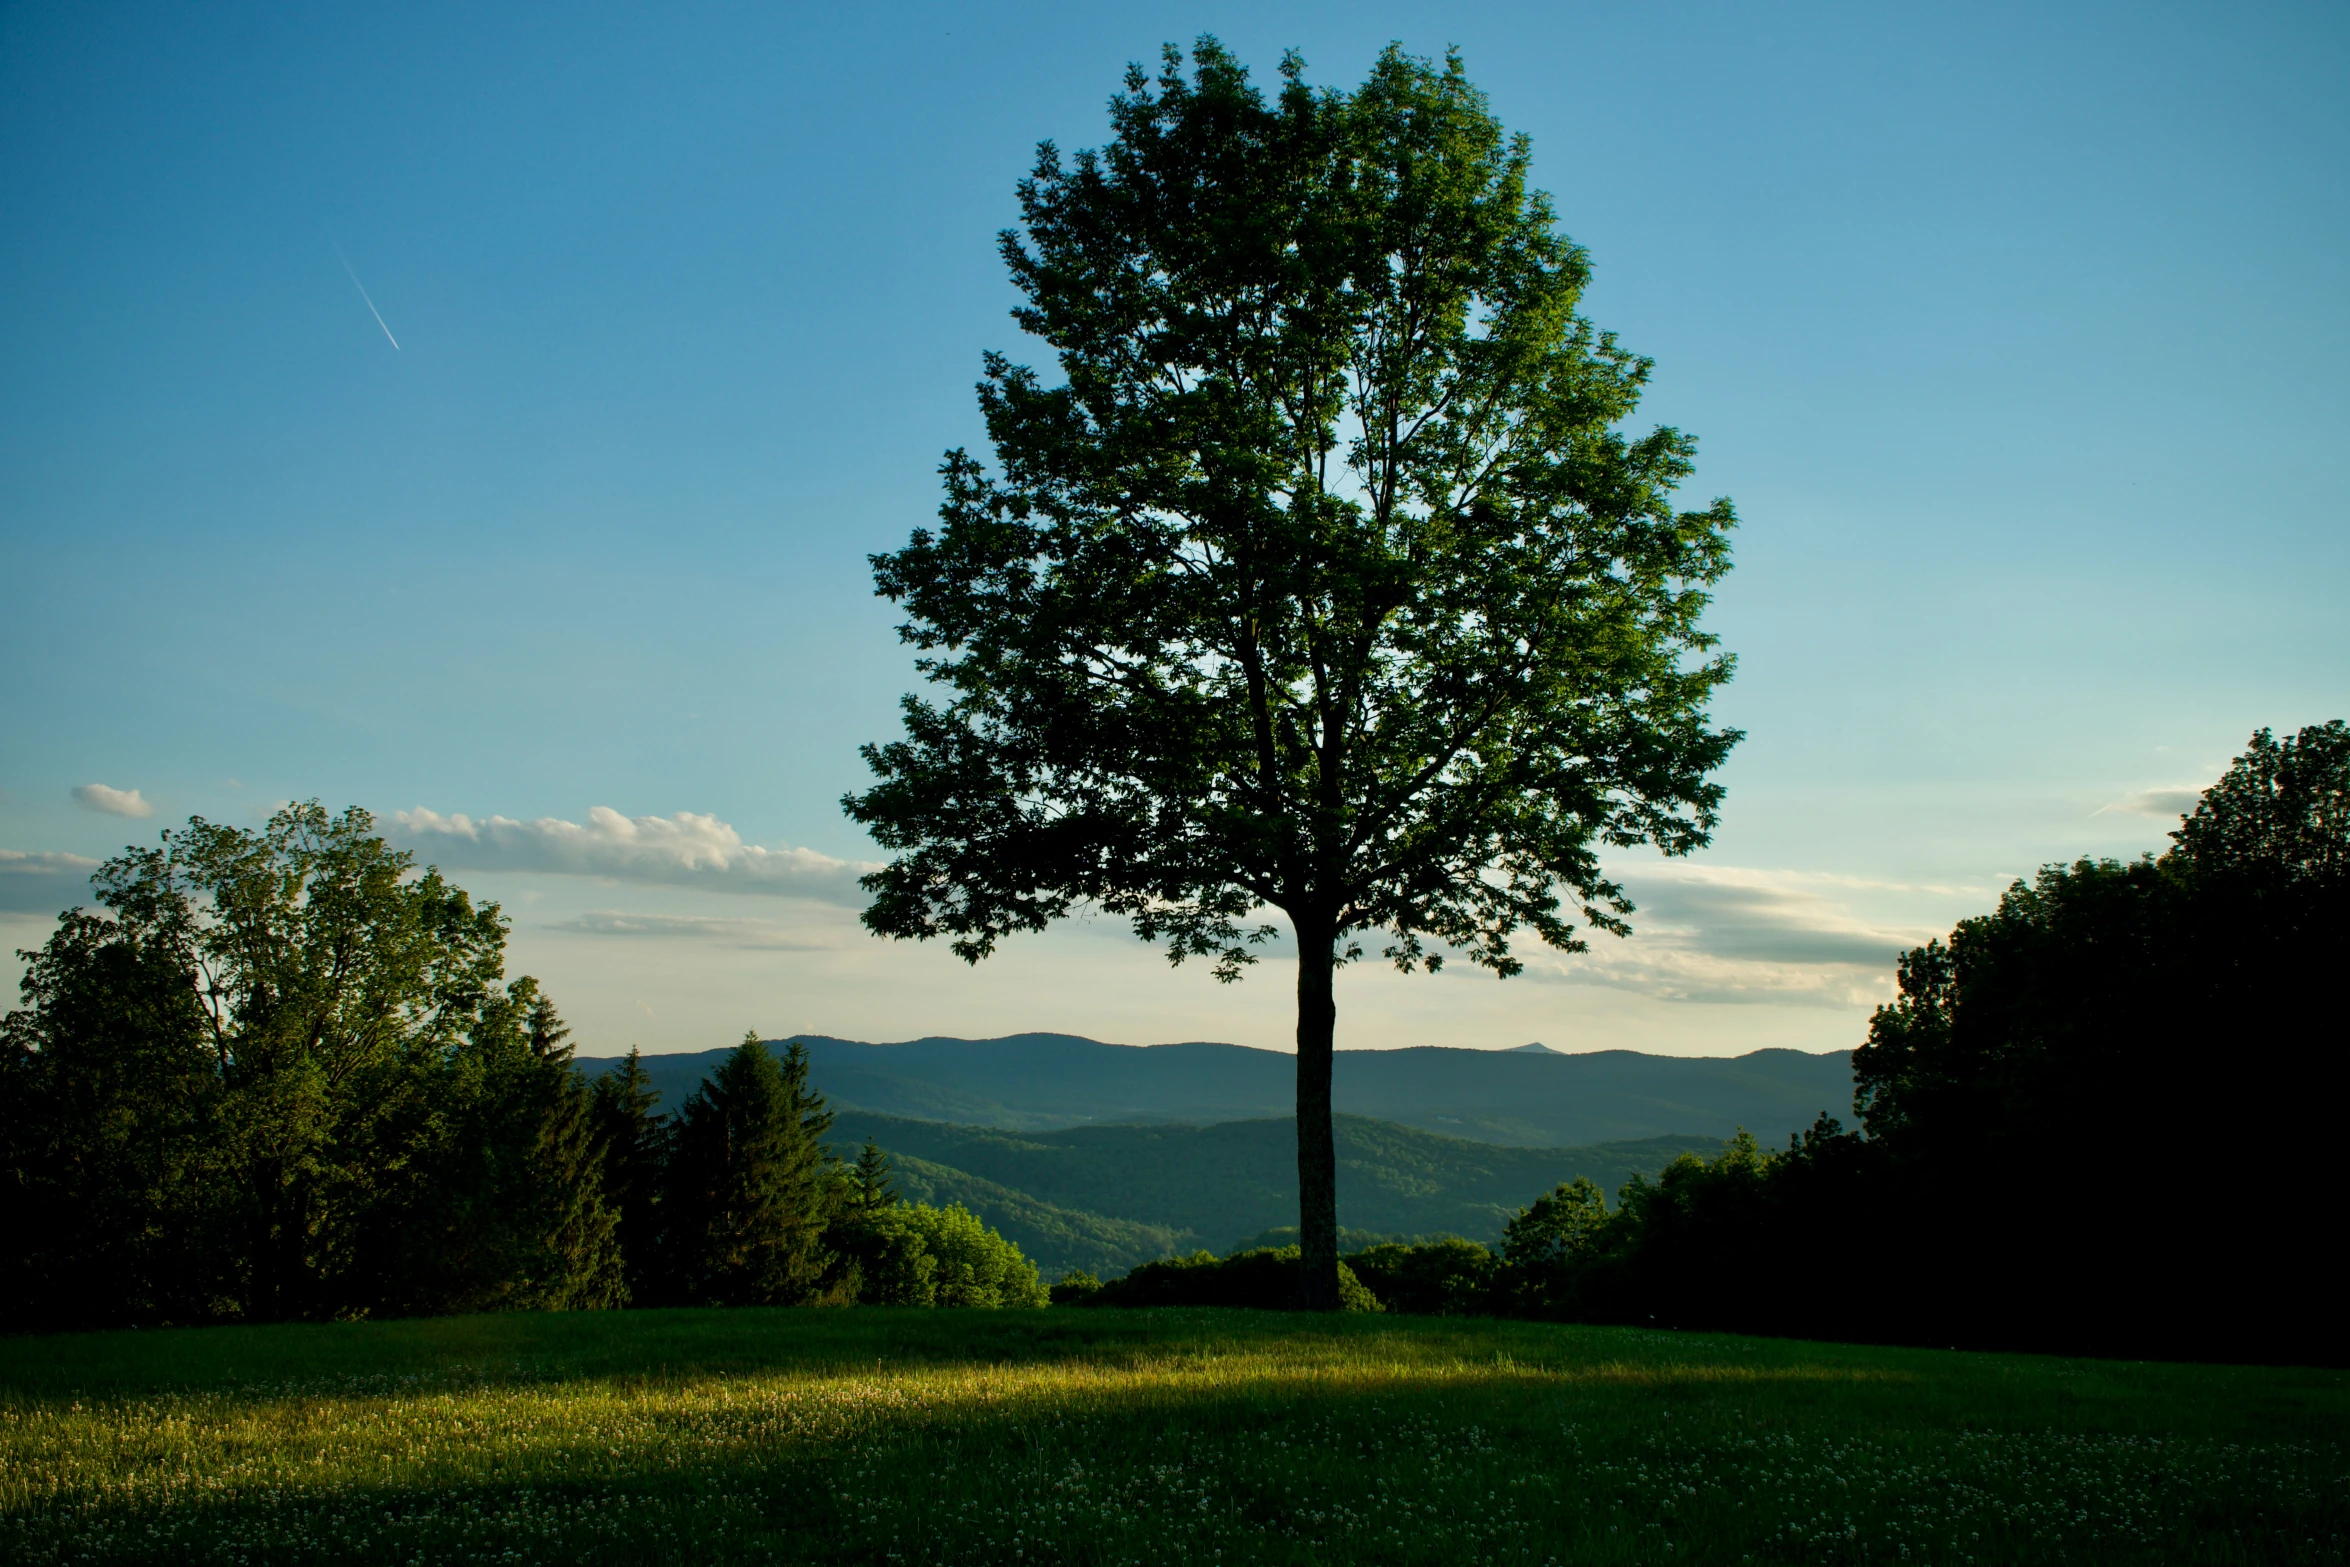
(1075, 1436)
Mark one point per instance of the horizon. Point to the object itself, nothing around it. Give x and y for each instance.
(1217, 1044)
(483, 417)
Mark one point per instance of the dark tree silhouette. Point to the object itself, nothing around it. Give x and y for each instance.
(1322, 582)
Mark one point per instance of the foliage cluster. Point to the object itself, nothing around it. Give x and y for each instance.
(283, 1076)
(2100, 1010)
(1443, 1277)
(1997, 1191)
(1266, 1277)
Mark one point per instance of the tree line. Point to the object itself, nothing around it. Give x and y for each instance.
(2101, 1118)
(281, 1075)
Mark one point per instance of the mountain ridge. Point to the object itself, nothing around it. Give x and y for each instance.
(1046, 1082)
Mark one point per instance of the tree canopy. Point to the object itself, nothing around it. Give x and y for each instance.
(283, 1075)
(2106, 1004)
(1322, 580)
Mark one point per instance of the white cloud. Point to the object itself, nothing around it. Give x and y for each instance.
(1733, 934)
(2172, 802)
(43, 883)
(688, 849)
(113, 802)
(765, 935)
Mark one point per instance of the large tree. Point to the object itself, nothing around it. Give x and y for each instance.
(750, 1183)
(2160, 1044)
(1323, 580)
(282, 1075)
(635, 1140)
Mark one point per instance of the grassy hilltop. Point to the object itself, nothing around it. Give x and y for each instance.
(1102, 1437)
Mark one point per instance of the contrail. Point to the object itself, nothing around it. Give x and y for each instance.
(371, 310)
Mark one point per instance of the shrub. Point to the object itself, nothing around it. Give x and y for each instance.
(1076, 1288)
(974, 1265)
(1445, 1277)
(911, 1254)
(1266, 1278)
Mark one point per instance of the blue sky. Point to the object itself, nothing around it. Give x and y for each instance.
(2015, 333)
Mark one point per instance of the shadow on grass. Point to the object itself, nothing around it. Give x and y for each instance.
(1099, 1437)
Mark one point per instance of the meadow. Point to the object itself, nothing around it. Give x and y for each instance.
(1107, 1437)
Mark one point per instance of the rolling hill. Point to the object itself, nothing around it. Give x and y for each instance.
(1101, 1156)
(1104, 1198)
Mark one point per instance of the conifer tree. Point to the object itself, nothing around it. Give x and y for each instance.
(749, 1182)
(635, 1143)
(870, 1188)
(502, 1204)
(569, 1231)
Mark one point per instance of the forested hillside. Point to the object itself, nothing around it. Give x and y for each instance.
(1040, 1082)
(1104, 1198)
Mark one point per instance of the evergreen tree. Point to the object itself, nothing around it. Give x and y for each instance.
(872, 1257)
(541, 1180)
(869, 1183)
(635, 1143)
(503, 1206)
(749, 1182)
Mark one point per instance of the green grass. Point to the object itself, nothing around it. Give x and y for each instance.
(1076, 1436)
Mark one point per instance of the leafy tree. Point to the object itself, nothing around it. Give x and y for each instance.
(879, 1257)
(1549, 1237)
(914, 1254)
(749, 1187)
(1323, 581)
(1446, 1277)
(975, 1265)
(109, 1166)
(1075, 1288)
(1748, 1240)
(1556, 1226)
(2279, 819)
(2105, 1001)
(333, 986)
(283, 1076)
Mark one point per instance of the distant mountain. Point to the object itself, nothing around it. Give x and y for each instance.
(1102, 1156)
(1521, 1097)
(1104, 1198)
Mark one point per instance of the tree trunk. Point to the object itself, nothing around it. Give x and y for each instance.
(1317, 1155)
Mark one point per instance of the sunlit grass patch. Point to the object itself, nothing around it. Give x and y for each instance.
(1101, 1437)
